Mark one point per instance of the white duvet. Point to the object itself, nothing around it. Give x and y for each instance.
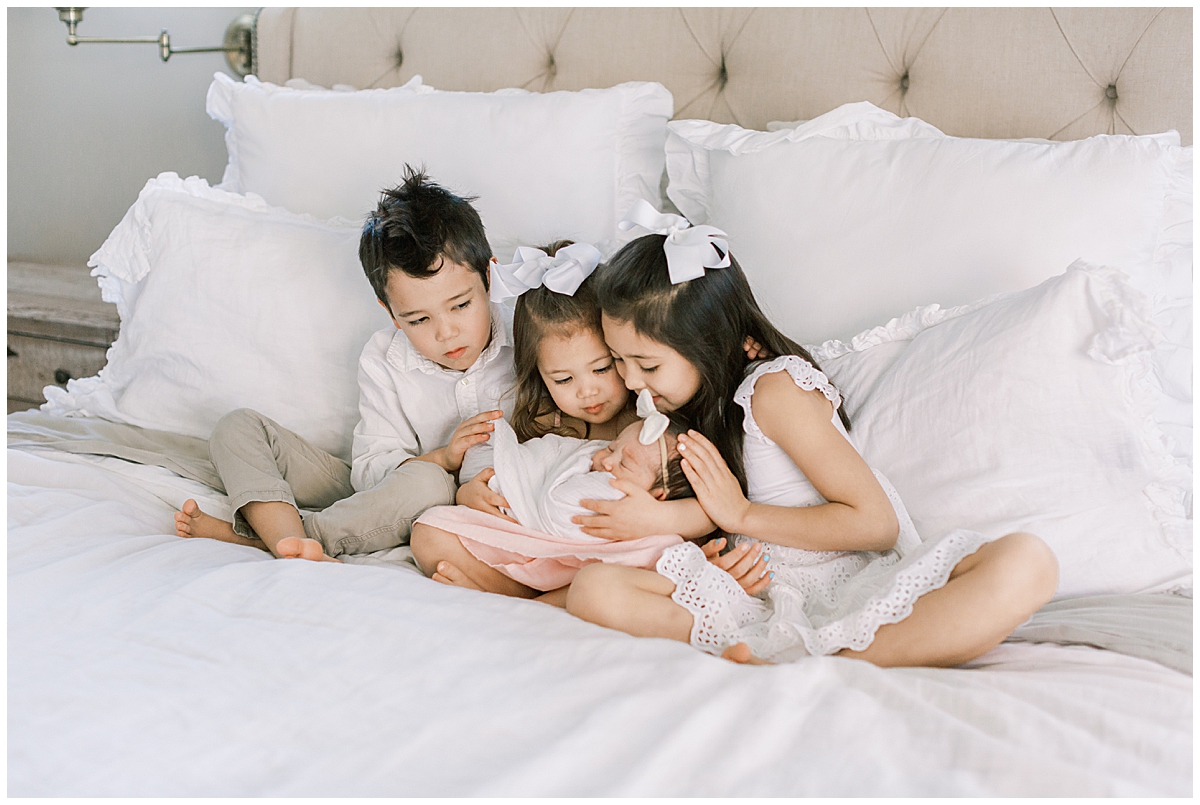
(141, 664)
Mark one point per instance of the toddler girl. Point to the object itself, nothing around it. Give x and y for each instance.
(850, 574)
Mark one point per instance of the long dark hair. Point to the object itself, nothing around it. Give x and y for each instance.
(538, 313)
(706, 320)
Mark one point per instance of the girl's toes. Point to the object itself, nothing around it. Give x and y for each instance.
(452, 575)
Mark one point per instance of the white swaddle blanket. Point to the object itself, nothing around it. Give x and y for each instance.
(544, 479)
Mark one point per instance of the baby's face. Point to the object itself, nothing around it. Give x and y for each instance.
(630, 460)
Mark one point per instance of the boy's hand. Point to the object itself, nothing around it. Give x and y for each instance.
(476, 430)
(747, 563)
(476, 494)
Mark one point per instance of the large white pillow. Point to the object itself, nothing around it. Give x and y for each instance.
(857, 216)
(1029, 411)
(543, 166)
(228, 302)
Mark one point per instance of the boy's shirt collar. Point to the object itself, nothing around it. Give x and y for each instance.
(403, 355)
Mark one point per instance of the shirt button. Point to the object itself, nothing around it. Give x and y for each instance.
(466, 381)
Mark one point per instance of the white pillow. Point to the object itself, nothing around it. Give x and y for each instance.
(227, 302)
(858, 216)
(1028, 411)
(543, 166)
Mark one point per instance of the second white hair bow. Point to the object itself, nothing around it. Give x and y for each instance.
(690, 249)
(655, 424)
(531, 268)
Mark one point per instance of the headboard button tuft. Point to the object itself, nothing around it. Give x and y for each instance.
(1111, 92)
(904, 82)
(398, 57)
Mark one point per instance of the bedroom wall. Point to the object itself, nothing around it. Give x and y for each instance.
(88, 125)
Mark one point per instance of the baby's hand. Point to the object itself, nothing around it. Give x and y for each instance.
(476, 430)
(476, 494)
(746, 563)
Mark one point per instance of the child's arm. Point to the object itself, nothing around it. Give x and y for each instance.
(858, 516)
(640, 514)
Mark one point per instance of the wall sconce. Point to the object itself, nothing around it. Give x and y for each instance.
(238, 47)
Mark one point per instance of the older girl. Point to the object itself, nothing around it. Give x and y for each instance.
(851, 576)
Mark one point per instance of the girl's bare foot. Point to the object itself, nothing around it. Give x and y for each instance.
(449, 574)
(191, 522)
(740, 653)
(298, 548)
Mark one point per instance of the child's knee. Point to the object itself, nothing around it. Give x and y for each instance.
(1031, 568)
(429, 546)
(595, 592)
(421, 485)
(238, 427)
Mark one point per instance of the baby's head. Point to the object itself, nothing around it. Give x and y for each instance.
(426, 256)
(561, 359)
(642, 464)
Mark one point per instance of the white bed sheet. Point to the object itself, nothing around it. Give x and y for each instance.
(143, 664)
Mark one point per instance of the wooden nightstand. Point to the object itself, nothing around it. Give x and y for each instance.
(58, 329)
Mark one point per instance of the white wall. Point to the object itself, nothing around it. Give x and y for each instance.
(88, 125)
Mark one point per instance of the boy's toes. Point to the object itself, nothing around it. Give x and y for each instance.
(449, 574)
(183, 525)
(190, 508)
(297, 548)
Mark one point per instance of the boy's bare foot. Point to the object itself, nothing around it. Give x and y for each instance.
(740, 653)
(297, 548)
(447, 573)
(191, 522)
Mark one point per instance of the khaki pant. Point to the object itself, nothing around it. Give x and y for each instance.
(259, 460)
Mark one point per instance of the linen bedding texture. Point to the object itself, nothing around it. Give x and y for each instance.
(876, 213)
(544, 166)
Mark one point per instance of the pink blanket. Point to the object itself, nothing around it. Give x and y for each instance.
(538, 560)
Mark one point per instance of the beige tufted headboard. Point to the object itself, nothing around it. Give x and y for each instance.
(981, 72)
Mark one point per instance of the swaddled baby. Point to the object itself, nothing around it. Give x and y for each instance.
(545, 478)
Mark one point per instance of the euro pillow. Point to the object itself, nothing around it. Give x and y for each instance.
(543, 166)
(228, 302)
(858, 216)
(1028, 411)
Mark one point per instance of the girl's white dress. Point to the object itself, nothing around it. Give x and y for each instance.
(819, 602)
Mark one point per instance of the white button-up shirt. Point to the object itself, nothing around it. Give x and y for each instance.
(411, 405)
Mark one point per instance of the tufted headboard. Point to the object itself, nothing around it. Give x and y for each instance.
(981, 72)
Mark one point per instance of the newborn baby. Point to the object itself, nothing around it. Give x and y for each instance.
(545, 478)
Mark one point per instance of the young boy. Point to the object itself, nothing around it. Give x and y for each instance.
(429, 388)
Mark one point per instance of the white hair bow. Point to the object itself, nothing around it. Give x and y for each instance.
(690, 249)
(563, 273)
(655, 424)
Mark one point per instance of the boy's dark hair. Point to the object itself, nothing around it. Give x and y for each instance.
(706, 320)
(415, 227)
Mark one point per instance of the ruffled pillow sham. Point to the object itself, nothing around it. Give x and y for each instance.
(1029, 411)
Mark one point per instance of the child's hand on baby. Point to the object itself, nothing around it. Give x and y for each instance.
(473, 431)
(631, 517)
(747, 563)
(716, 487)
(476, 494)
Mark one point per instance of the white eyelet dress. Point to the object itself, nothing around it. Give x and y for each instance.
(819, 602)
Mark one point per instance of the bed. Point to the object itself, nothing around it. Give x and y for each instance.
(141, 664)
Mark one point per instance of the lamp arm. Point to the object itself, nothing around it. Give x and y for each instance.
(238, 40)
